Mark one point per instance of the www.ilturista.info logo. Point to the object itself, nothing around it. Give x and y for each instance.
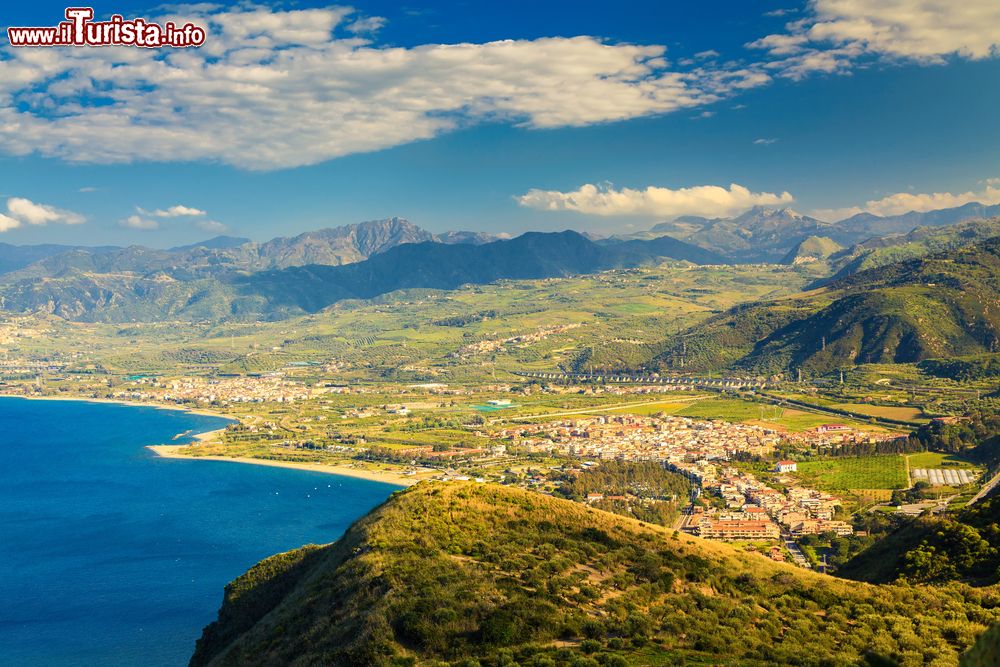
(79, 29)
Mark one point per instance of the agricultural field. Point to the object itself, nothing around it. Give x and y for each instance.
(765, 414)
(695, 406)
(665, 407)
(903, 413)
(855, 473)
(937, 460)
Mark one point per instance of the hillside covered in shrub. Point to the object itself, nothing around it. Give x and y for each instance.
(477, 574)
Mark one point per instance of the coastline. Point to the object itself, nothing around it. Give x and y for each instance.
(384, 476)
(134, 404)
(170, 451)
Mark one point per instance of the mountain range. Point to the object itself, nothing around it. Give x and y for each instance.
(920, 241)
(139, 284)
(767, 235)
(232, 278)
(225, 254)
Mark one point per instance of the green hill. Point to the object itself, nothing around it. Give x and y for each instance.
(943, 305)
(473, 574)
(964, 546)
(919, 242)
(971, 367)
(812, 249)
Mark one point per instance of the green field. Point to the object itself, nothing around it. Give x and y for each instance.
(737, 410)
(667, 407)
(903, 413)
(938, 460)
(843, 474)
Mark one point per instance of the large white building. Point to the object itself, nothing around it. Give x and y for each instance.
(786, 466)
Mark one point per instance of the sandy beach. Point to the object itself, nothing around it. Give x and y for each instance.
(387, 476)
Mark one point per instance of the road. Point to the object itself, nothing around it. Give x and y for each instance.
(684, 519)
(798, 557)
(985, 491)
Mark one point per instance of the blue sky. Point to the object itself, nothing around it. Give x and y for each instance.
(286, 122)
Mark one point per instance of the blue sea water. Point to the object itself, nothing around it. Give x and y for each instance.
(111, 556)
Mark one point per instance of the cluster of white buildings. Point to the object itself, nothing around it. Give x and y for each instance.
(700, 450)
(630, 437)
(266, 388)
(757, 511)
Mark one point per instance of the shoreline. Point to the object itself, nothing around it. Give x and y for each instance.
(170, 451)
(134, 404)
(385, 477)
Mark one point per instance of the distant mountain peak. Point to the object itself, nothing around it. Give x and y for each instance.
(215, 243)
(756, 213)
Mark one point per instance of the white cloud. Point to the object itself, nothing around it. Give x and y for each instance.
(267, 27)
(147, 220)
(656, 202)
(28, 212)
(781, 44)
(904, 202)
(7, 223)
(139, 222)
(366, 25)
(275, 89)
(174, 212)
(838, 32)
(919, 29)
(764, 142)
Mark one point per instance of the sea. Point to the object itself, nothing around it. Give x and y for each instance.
(110, 555)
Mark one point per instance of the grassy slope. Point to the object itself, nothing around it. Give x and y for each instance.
(451, 571)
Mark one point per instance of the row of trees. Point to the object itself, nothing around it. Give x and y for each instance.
(976, 433)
